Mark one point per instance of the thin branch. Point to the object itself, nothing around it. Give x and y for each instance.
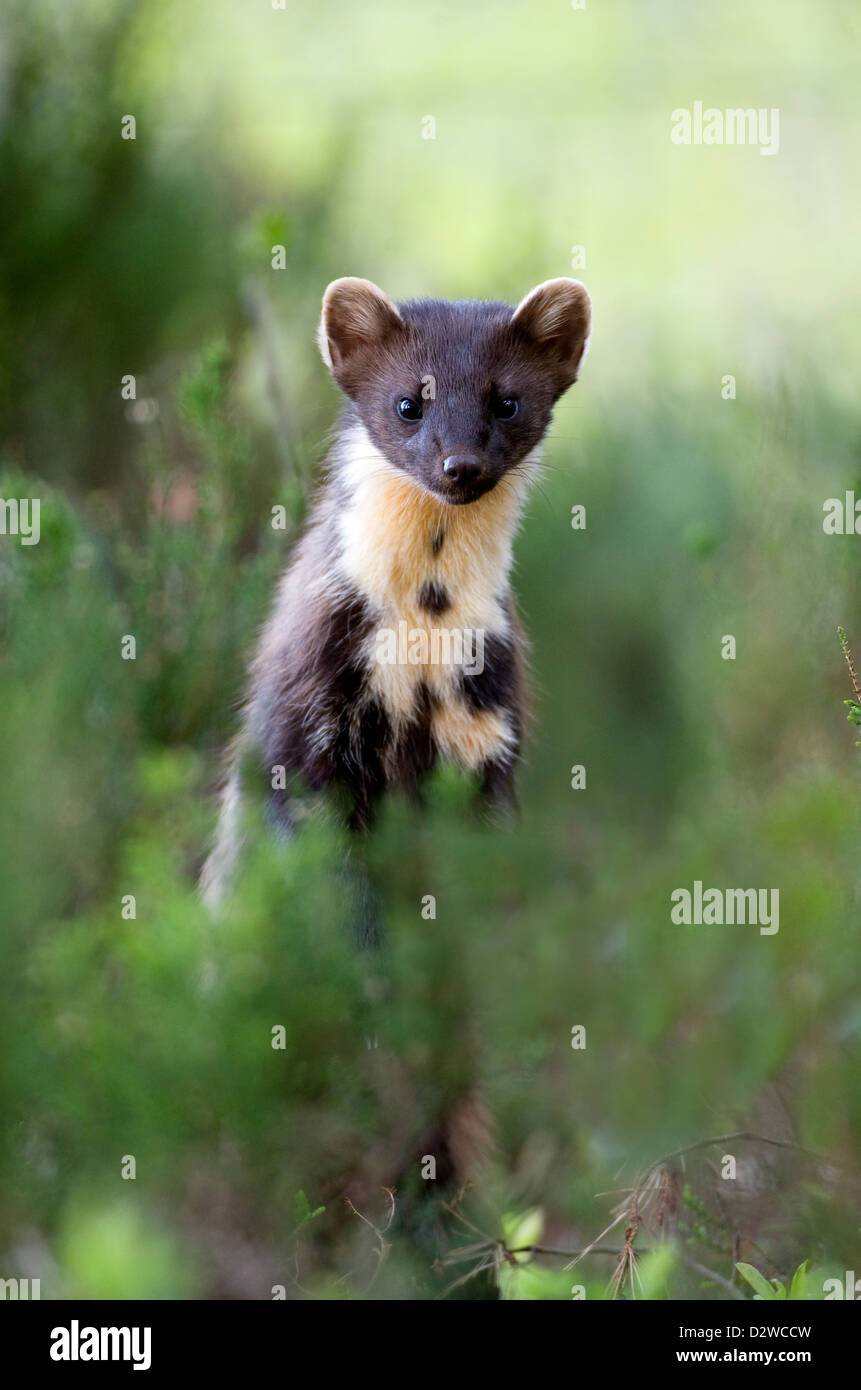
(381, 1250)
(606, 1231)
(745, 1134)
(712, 1274)
(479, 1269)
(844, 643)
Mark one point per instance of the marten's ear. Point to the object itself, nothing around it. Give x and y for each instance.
(357, 318)
(555, 318)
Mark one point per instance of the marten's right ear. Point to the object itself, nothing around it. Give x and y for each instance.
(357, 318)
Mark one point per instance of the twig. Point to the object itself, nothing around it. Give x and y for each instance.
(382, 1248)
(844, 643)
(479, 1269)
(712, 1274)
(745, 1134)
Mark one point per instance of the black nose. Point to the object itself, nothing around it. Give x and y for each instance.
(463, 468)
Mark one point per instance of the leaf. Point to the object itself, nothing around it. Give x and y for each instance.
(798, 1283)
(757, 1281)
(302, 1212)
(657, 1269)
(525, 1228)
(533, 1283)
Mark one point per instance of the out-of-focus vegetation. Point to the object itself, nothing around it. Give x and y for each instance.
(151, 1036)
(854, 715)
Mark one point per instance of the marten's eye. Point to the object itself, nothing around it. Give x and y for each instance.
(408, 409)
(507, 408)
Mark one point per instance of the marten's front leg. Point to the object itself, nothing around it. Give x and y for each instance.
(497, 790)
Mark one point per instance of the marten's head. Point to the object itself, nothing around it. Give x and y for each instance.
(454, 394)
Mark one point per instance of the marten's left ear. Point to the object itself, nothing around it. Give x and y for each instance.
(357, 319)
(556, 318)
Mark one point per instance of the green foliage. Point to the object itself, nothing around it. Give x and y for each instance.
(152, 1035)
(658, 1270)
(520, 1277)
(116, 1252)
(773, 1290)
(854, 715)
(303, 1212)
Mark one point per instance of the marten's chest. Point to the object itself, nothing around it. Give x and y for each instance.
(436, 580)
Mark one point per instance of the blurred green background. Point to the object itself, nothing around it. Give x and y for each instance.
(152, 1037)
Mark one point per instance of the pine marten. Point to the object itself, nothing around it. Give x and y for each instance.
(394, 642)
